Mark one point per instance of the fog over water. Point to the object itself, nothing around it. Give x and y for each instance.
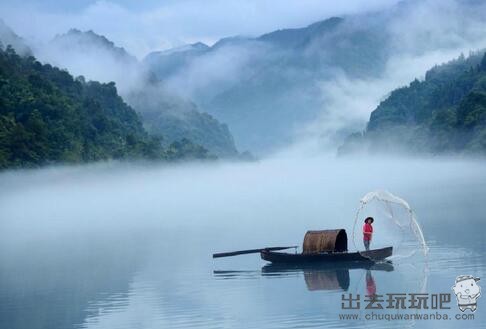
(128, 245)
(293, 191)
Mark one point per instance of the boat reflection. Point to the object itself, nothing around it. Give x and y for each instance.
(326, 276)
(317, 277)
(327, 280)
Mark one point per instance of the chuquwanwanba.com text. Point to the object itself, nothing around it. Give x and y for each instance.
(405, 316)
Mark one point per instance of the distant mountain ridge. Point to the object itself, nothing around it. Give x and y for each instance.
(277, 91)
(78, 40)
(169, 61)
(299, 37)
(164, 114)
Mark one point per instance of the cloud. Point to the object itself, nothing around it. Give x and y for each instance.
(347, 102)
(206, 76)
(426, 34)
(154, 26)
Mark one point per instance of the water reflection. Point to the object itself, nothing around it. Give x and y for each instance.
(58, 285)
(316, 276)
(129, 249)
(370, 284)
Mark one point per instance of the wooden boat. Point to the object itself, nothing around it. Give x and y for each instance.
(323, 246)
(370, 256)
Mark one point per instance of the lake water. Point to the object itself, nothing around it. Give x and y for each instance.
(129, 246)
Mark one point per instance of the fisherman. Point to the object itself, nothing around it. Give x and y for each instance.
(367, 232)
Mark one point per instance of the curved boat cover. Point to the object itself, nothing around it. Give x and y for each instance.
(325, 241)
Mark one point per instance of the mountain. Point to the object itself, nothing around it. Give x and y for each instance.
(169, 61)
(94, 56)
(300, 37)
(281, 91)
(77, 41)
(200, 128)
(174, 118)
(47, 116)
(444, 114)
(269, 88)
(8, 37)
(265, 88)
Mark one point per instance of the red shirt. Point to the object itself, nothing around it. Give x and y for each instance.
(367, 228)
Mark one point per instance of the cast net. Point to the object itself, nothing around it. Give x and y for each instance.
(394, 225)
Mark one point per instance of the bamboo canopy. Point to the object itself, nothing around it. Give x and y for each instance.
(325, 241)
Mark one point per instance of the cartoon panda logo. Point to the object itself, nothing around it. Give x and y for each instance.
(467, 292)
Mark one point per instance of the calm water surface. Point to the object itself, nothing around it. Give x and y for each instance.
(117, 246)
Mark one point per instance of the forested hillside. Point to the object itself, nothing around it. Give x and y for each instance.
(47, 116)
(445, 113)
(96, 57)
(175, 118)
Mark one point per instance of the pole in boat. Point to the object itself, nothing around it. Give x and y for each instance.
(249, 251)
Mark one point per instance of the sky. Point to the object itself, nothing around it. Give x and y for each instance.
(144, 26)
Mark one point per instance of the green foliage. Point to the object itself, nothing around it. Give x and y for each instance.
(47, 116)
(185, 149)
(175, 119)
(445, 113)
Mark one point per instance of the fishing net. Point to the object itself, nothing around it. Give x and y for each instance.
(394, 225)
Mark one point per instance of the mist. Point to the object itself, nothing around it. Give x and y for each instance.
(326, 100)
(322, 97)
(347, 102)
(110, 243)
(94, 60)
(228, 200)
